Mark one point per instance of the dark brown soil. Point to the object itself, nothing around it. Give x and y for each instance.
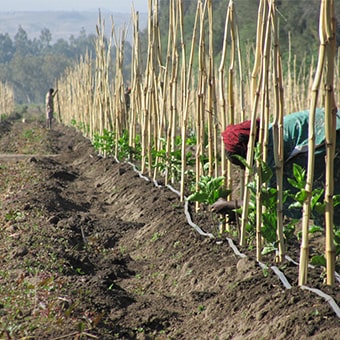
(89, 249)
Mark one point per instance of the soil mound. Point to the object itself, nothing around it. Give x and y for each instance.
(92, 250)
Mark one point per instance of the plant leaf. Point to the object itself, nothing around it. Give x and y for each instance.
(318, 260)
(268, 249)
(314, 229)
(266, 172)
(336, 200)
(198, 197)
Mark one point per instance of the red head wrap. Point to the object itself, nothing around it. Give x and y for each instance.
(235, 138)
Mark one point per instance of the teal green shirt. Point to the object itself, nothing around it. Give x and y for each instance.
(295, 134)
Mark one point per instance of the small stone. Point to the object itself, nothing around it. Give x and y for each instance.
(20, 252)
(121, 171)
(54, 220)
(27, 206)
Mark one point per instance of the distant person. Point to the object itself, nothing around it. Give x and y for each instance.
(127, 97)
(50, 107)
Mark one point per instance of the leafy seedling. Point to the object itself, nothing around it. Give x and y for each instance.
(210, 189)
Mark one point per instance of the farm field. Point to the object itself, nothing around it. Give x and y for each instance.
(90, 250)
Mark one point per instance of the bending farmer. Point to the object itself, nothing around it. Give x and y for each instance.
(295, 136)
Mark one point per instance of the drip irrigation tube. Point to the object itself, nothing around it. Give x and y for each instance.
(192, 224)
(282, 277)
(288, 258)
(186, 205)
(326, 297)
(276, 270)
(234, 248)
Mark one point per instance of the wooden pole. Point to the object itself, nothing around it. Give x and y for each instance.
(187, 99)
(278, 134)
(256, 80)
(330, 132)
(304, 251)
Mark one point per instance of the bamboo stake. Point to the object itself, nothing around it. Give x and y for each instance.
(211, 84)
(200, 98)
(330, 132)
(263, 129)
(6, 100)
(289, 75)
(241, 84)
(278, 135)
(146, 93)
(167, 93)
(186, 107)
(230, 18)
(98, 102)
(184, 80)
(200, 107)
(225, 165)
(255, 92)
(231, 104)
(257, 62)
(173, 84)
(136, 81)
(156, 118)
(304, 251)
(221, 87)
(152, 74)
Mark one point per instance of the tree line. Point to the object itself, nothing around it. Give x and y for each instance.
(298, 25)
(31, 66)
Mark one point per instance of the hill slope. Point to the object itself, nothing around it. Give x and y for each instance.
(62, 24)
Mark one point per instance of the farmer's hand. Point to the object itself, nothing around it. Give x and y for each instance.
(224, 207)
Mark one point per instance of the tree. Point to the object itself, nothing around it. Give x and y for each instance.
(45, 37)
(22, 44)
(6, 48)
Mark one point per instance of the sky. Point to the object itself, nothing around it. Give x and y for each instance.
(123, 6)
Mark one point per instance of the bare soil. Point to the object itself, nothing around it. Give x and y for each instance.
(89, 249)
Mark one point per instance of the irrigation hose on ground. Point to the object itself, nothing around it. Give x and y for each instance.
(275, 269)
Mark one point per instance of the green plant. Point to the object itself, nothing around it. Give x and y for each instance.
(200, 308)
(140, 330)
(191, 139)
(155, 236)
(313, 229)
(177, 244)
(125, 151)
(12, 215)
(265, 272)
(171, 162)
(299, 182)
(268, 201)
(80, 271)
(210, 189)
(29, 134)
(104, 143)
(319, 259)
(317, 209)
